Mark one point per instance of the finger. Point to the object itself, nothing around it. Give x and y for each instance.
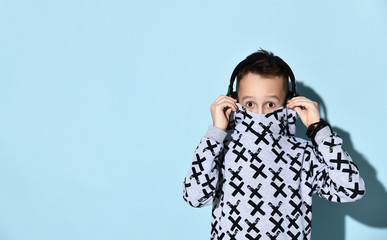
(307, 104)
(226, 103)
(229, 101)
(218, 99)
(298, 111)
(304, 103)
(298, 101)
(298, 98)
(227, 112)
(221, 97)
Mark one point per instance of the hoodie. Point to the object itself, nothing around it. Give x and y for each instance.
(260, 178)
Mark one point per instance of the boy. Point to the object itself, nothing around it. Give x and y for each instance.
(257, 175)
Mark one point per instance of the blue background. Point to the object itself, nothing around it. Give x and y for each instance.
(104, 102)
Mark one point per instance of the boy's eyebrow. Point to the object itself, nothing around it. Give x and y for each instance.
(273, 96)
(270, 96)
(247, 97)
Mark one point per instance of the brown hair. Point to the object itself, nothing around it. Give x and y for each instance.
(269, 66)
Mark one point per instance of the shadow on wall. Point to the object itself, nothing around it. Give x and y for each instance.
(328, 217)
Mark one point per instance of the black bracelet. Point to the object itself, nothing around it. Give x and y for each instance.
(311, 128)
(315, 127)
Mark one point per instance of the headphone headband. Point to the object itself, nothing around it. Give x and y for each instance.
(254, 58)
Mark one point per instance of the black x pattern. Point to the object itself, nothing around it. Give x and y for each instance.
(339, 161)
(240, 155)
(296, 144)
(199, 162)
(238, 188)
(356, 191)
(276, 141)
(279, 189)
(208, 182)
(234, 207)
(210, 147)
(254, 156)
(331, 144)
(260, 136)
(297, 207)
(276, 209)
(237, 142)
(254, 191)
(258, 171)
(252, 225)
(294, 159)
(256, 207)
(295, 192)
(292, 222)
(195, 175)
(349, 171)
(266, 129)
(235, 223)
(235, 174)
(297, 173)
(277, 224)
(279, 156)
(276, 174)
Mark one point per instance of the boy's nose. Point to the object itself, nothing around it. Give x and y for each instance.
(260, 110)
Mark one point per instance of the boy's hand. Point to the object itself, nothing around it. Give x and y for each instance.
(220, 116)
(310, 114)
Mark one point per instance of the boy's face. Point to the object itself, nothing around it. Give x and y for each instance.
(260, 94)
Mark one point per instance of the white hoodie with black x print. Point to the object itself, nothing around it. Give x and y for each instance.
(260, 178)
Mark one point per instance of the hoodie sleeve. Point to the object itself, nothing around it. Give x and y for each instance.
(335, 176)
(202, 177)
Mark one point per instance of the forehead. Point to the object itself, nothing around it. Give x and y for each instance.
(256, 84)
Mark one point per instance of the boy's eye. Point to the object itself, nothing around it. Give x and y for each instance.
(270, 104)
(249, 104)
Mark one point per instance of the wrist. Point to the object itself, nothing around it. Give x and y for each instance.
(315, 127)
(221, 128)
(216, 133)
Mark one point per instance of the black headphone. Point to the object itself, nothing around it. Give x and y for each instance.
(257, 57)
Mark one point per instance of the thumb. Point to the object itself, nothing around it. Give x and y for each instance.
(299, 111)
(227, 113)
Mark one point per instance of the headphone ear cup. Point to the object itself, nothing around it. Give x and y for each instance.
(234, 95)
(290, 96)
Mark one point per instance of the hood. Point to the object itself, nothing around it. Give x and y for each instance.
(281, 121)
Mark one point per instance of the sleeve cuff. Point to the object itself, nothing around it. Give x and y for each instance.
(216, 133)
(322, 133)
